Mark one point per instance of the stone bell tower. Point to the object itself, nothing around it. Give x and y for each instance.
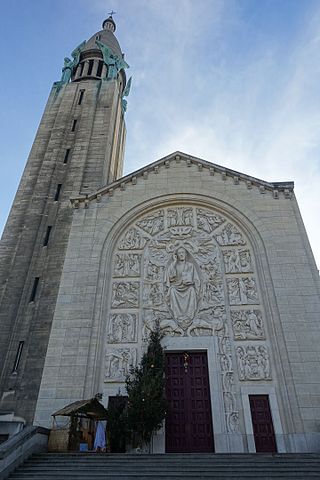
(78, 148)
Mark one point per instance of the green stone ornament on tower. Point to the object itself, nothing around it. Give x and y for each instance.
(126, 92)
(69, 64)
(112, 61)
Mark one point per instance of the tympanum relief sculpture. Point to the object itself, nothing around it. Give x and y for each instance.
(247, 324)
(230, 235)
(133, 239)
(118, 363)
(183, 281)
(253, 362)
(152, 224)
(125, 295)
(237, 261)
(189, 271)
(208, 221)
(227, 374)
(179, 216)
(242, 291)
(127, 265)
(122, 328)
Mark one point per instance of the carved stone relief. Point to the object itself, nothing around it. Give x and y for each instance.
(247, 324)
(230, 235)
(253, 362)
(152, 224)
(227, 373)
(183, 282)
(125, 295)
(153, 272)
(237, 261)
(153, 295)
(127, 265)
(208, 221)
(242, 291)
(181, 268)
(179, 216)
(132, 240)
(122, 328)
(119, 362)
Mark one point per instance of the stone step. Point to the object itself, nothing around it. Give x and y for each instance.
(71, 466)
(100, 464)
(165, 476)
(135, 459)
(309, 466)
(180, 455)
(207, 462)
(181, 468)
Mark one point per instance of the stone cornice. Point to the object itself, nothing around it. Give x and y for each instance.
(286, 188)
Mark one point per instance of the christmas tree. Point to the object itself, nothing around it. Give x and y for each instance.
(145, 387)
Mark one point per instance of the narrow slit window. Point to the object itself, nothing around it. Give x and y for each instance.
(74, 125)
(90, 67)
(18, 357)
(66, 156)
(57, 194)
(47, 236)
(99, 70)
(81, 68)
(34, 289)
(81, 97)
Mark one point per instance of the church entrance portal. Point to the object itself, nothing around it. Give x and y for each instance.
(188, 420)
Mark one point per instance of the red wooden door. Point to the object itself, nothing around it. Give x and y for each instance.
(263, 431)
(188, 419)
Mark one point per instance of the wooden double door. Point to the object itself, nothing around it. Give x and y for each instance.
(263, 431)
(189, 418)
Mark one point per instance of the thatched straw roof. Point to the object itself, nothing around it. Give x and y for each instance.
(91, 408)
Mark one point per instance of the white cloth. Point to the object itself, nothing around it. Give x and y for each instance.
(100, 438)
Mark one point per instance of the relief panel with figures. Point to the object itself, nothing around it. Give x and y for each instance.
(122, 328)
(125, 295)
(127, 265)
(237, 261)
(188, 266)
(118, 363)
(247, 324)
(253, 362)
(242, 291)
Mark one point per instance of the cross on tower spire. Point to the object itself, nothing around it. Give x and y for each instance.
(109, 23)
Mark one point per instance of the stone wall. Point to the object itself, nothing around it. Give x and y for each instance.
(23, 254)
(255, 295)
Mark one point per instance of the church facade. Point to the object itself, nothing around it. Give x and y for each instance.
(219, 260)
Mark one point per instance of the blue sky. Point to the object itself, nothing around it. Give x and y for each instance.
(235, 82)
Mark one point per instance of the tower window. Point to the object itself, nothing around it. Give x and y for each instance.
(18, 356)
(46, 238)
(99, 70)
(90, 67)
(66, 156)
(34, 289)
(57, 194)
(80, 97)
(81, 68)
(74, 125)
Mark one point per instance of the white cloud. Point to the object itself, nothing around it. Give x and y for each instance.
(260, 116)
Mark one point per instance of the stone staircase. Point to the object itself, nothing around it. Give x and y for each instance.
(71, 466)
